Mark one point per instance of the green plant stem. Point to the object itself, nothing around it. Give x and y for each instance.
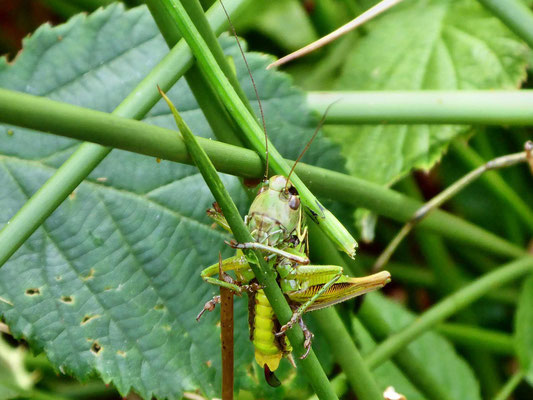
(67, 120)
(339, 383)
(473, 337)
(426, 107)
(416, 275)
(218, 118)
(265, 274)
(346, 354)
(89, 155)
(42, 395)
(410, 274)
(90, 390)
(63, 7)
(510, 386)
(496, 184)
(248, 123)
(90, 5)
(450, 279)
(323, 251)
(515, 14)
(449, 306)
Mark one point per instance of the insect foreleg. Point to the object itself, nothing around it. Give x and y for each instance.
(258, 246)
(239, 265)
(216, 214)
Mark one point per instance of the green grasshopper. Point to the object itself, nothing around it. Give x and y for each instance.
(277, 223)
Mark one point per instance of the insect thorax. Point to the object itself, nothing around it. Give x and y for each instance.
(266, 230)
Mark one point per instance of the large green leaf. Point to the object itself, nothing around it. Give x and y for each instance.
(524, 329)
(423, 44)
(110, 282)
(432, 350)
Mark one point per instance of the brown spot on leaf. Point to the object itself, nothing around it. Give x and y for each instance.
(90, 275)
(96, 348)
(67, 299)
(88, 318)
(33, 292)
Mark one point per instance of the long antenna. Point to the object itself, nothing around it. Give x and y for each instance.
(253, 84)
(320, 124)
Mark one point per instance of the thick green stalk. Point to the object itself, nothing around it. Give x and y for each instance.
(450, 279)
(496, 184)
(217, 116)
(346, 354)
(509, 387)
(63, 7)
(426, 107)
(471, 336)
(67, 120)
(248, 123)
(515, 14)
(449, 306)
(264, 274)
(420, 276)
(89, 155)
(324, 252)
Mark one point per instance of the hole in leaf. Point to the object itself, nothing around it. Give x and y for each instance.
(67, 299)
(88, 318)
(95, 348)
(90, 275)
(33, 292)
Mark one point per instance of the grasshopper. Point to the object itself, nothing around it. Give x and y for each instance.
(276, 221)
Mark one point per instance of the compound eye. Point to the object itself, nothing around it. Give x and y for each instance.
(293, 191)
(294, 202)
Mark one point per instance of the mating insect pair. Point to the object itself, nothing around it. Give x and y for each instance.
(277, 223)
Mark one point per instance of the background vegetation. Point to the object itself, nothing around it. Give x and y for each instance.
(107, 288)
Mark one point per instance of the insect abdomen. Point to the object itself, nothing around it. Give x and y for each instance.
(267, 349)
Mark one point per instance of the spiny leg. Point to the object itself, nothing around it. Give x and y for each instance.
(209, 306)
(216, 214)
(258, 246)
(308, 337)
(237, 263)
(301, 310)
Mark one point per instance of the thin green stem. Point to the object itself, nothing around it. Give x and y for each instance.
(515, 14)
(426, 107)
(449, 306)
(218, 118)
(347, 355)
(63, 7)
(494, 182)
(264, 273)
(89, 155)
(473, 337)
(249, 125)
(42, 395)
(323, 251)
(90, 390)
(449, 279)
(67, 120)
(510, 386)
